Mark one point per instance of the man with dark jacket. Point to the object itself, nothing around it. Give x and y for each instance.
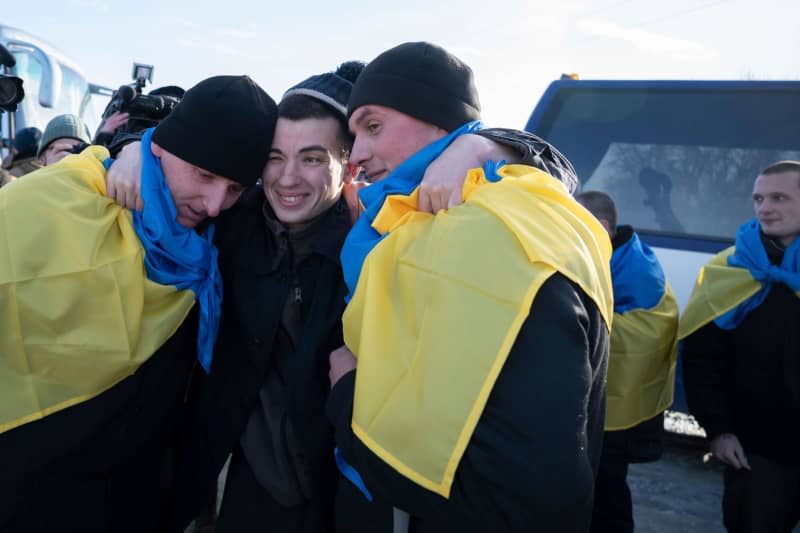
(284, 297)
(741, 358)
(22, 157)
(641, 365)
(481, 333)
(100, 330)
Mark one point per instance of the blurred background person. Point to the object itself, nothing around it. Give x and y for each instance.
(22, 157)
(641, 366)
(60, 137)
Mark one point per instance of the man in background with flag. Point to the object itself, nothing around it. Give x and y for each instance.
(481, 333)
(641, 366)
(100, 330)
(741, 358)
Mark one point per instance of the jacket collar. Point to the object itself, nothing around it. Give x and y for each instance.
(325, 234)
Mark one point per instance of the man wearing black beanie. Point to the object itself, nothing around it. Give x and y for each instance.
(107, 313)
(481, 334)
(281, 238)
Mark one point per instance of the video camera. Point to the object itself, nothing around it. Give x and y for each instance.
(11, 92)
(145, 110)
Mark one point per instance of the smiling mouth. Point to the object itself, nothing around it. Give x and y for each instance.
(290, 200)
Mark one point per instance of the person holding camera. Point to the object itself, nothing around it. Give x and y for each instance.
(109, 126)
(130, 112)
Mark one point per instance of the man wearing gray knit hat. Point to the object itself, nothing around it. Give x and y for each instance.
(60, 135)
(481, 335)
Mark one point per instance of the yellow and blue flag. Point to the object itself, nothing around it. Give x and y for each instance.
(79, 312)
(439, 301)
(644, 344)
(737, 280)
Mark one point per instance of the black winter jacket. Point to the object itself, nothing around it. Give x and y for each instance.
(257, 278)
(747, 381)
(104, 465)
(531, 462)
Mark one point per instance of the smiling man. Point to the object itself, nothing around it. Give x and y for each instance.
(284, 297)
(741, 358)
(107, 312)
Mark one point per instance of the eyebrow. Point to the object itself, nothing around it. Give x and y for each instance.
(312, 148)
(360, 114)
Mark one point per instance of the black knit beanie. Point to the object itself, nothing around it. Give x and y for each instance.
(421, 80)
(223, 125)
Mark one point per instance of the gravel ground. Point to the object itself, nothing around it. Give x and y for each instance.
(679, 493)
(682, 492)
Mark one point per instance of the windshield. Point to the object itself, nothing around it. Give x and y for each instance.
(677, 162)
(73, 97)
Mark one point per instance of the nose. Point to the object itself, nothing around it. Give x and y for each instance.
(360, 153)
(215, 199)
(289, 173)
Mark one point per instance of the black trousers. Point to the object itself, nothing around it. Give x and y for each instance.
(247, 506)
(613, 506)
(763, 499)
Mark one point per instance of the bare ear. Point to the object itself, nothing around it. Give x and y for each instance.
(605, 223)
(351, 172)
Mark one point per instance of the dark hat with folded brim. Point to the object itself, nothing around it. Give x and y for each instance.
(422, 80)
(223, 125)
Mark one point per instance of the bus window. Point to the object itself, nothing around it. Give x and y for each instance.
(679, 161)
(702, 191)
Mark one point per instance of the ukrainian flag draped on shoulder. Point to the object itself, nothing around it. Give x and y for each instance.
(79, 313)
(737, 280)
(644, 344)
(439, 301)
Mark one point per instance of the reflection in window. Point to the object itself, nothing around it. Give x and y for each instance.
(696, 190)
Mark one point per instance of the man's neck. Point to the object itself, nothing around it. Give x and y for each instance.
(787, 241)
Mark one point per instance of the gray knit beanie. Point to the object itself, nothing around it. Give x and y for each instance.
(63, 127)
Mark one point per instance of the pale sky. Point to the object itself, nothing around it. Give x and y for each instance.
(515, 47)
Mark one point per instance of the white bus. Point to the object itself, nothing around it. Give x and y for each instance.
(53, 83)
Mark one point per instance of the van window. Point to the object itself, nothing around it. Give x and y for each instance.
(677, 162)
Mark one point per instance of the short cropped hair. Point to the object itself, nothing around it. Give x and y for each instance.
(781, 166)
(600, 205)
(302, 107)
